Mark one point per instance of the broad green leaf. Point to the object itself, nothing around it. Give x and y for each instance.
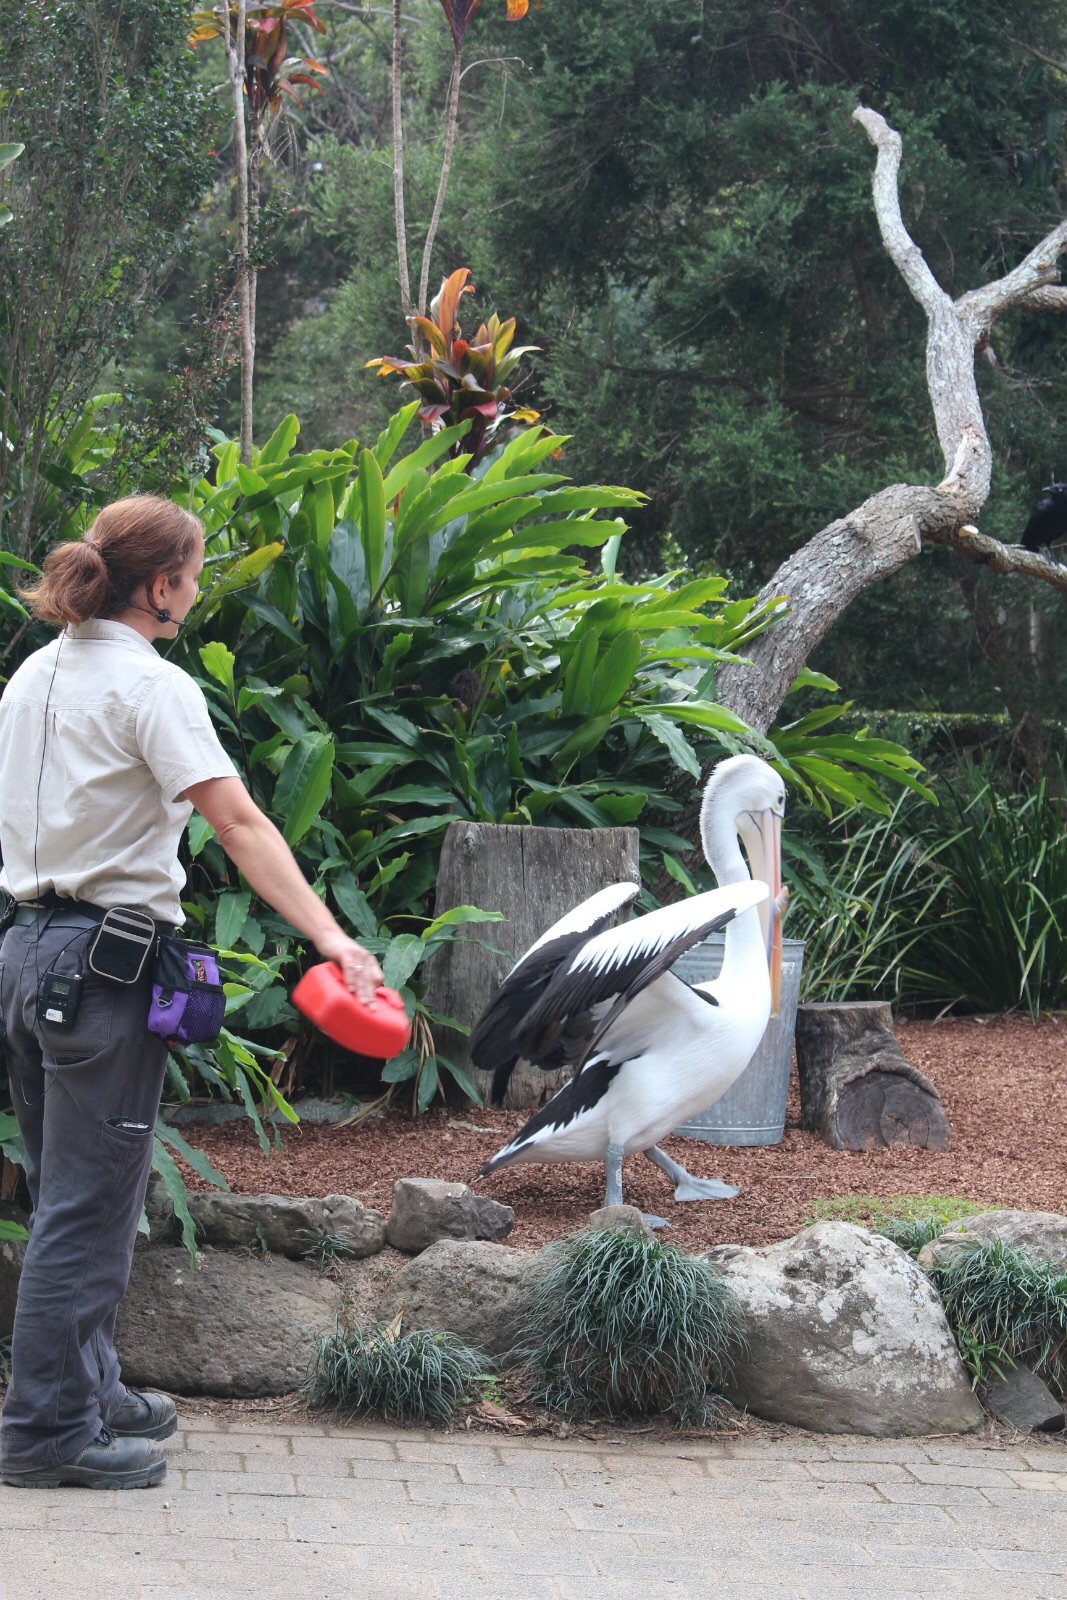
(200, 1163)
(304, 784)
(429, 451)
(402, 1067)
(585, 738)
(12, 1231)
(219, 662)
(230, 918)
(281, 442)
(372, 515)
(428, 1081)
(353, 902)
(349, 564)
(318, 503)
(390, 437)
(578, 678)
(402, 955)
(164, 1163)
(199, 832)
(465, 1082)
(614, 674)
(705, 714)
(460, 914)
(678, 747)
(676, 871)
(807, 679)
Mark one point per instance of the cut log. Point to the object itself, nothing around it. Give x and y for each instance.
(534, 876)
(856, 1089)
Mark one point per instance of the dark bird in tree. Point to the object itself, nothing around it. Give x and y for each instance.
(1048, 523)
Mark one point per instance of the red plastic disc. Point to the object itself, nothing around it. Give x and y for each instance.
(381, 1030)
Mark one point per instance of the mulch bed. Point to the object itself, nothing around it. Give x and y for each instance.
(1003, 1084)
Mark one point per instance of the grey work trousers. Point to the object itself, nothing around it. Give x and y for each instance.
(86, 1098)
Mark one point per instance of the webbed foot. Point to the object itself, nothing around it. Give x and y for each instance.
(692, 1188)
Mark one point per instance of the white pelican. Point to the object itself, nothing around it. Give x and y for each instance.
(649, 1051)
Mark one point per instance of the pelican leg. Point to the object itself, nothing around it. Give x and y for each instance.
(613, 1192)
(686, 1187)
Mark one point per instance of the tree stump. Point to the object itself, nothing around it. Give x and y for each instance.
(534, 876)
(856, 1089)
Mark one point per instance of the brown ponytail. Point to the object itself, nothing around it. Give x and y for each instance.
(131, 542)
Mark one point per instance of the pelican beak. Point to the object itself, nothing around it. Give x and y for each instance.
(769, 826)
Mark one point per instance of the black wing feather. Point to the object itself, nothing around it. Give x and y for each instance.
(493, 1045)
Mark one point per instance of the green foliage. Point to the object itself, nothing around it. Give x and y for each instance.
(1004, 1307)
(5, 1360)
(963, 905)
(420, 1376)
(12, 1230)
(910, 1220)
(116, 133)
(863, 889)
(1000, 941)
(622, 1324)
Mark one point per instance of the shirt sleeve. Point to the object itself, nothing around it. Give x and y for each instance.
(176, 737)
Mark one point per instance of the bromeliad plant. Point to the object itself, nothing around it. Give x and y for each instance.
(461, 380)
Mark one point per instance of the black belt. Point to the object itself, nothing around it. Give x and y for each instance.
(64, 913)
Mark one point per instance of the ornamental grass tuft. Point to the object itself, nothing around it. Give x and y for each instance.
(1006, 1308)
(625, 1325)
(420, 1376)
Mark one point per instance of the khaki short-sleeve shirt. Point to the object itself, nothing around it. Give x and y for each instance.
(89, 794)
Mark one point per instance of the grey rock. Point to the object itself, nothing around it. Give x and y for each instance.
(216, 1112)
(235, 1326)
(845, 1335)
(1021, 1399)
(620, 1217)
(428, 1209)
(286, 1226)
(1043, 1234)
(469, 1287)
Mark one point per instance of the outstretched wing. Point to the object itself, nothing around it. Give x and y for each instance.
(592, 989)
(492, 1042)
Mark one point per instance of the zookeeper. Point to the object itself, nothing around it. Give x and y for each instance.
(105, 749)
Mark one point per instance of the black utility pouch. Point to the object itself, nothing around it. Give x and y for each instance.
(122, 944)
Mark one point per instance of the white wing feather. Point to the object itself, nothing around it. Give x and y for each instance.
(647, 935)
(613, 898)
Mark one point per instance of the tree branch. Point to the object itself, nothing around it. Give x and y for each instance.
(1010, 560)
(887, 531)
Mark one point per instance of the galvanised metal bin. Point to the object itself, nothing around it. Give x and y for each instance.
(752, 1111)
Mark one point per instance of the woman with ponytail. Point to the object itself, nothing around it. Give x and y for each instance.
(105, 750)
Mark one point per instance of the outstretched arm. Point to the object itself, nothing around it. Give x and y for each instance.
(258, 850)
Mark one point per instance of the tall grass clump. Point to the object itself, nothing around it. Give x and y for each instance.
(420, 1376)
(1000, 939)
(625, 1325)
(861, 896)
(1006, 1308)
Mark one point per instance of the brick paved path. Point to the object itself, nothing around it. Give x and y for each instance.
(376, 1513)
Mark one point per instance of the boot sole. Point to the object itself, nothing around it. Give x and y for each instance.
(86, 1478)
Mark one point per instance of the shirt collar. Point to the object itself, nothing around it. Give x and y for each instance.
(104, 628)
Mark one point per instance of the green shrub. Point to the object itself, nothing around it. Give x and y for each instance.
(420, 1376)
(627, 1325)
(999, 940)
(1004, 1307)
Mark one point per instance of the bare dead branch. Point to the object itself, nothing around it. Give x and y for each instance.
(871, 543)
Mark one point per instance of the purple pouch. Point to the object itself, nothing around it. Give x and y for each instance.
(188, 1000)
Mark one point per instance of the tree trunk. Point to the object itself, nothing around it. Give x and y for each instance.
(398, 167)
(856, 1089)
(534, 876)
(246, 286)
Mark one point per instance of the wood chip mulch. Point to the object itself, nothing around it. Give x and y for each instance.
(1003, 1083)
